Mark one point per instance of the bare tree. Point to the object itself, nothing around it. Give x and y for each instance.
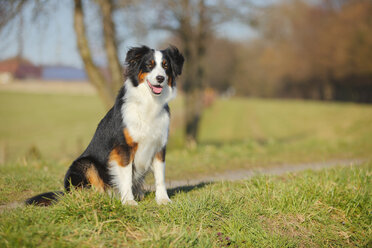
(107, 87)
(9, 10)
(193, 23)
(105, 90)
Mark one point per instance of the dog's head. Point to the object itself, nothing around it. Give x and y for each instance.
(156, 70)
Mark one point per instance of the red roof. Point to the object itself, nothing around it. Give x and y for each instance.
(20, 68)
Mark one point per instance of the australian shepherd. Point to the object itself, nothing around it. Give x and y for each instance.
(131, 139)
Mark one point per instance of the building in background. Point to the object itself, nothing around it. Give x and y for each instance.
(18, 68)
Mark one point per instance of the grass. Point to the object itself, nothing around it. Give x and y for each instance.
(251, 133)
(50, 125)
(40, 134)
(330, 208)
(235, 133)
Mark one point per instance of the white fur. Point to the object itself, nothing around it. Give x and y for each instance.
(147, 122)
(122, 180)
(161, 194)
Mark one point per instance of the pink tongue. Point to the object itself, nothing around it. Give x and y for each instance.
(157, 90)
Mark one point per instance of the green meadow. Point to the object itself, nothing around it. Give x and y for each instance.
(330, 208)
(40, 135)
(234, 134)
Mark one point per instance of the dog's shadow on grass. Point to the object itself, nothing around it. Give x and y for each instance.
(187, 188)
(181, 189)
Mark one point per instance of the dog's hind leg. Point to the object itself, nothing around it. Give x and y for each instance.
(83, 173)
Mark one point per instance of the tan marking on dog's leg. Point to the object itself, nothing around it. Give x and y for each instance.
(120, 156)
(94, 179)
(160, 155)
(133, 145)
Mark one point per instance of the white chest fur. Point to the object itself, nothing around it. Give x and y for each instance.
(147, 122)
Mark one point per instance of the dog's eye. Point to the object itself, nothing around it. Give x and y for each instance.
(150, 64)
(165, 64)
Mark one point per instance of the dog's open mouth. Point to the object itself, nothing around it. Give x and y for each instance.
(156, 89)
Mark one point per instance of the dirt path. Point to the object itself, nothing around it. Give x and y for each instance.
(248, 173)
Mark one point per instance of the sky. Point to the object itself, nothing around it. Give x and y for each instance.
(52, 41)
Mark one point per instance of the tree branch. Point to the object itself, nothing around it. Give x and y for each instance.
(93, 72)
(9, 14)
(111, 47)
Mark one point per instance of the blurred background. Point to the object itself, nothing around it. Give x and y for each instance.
(61, 64)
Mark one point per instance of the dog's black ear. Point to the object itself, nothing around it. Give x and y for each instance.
(176, 59)
(135, 54)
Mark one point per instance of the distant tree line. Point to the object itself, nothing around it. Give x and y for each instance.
(313, 51)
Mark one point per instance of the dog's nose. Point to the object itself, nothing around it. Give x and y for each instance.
(160, 79)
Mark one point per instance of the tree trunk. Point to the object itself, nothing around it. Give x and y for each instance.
(94, 74)
(195, 50)
(193, 112)
(111, 44)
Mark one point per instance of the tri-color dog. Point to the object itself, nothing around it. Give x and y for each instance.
(131, 139)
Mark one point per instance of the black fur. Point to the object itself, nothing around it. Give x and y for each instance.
(109, 133)
(176, 60)
(44, 199)
(139, 60)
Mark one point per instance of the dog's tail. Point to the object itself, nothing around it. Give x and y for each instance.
(44, 199)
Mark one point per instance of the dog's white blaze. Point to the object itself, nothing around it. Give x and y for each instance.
(159, 70)
(168, 93)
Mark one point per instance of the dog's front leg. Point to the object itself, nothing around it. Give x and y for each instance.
(123, 181)
(126, 192)
(158, 165)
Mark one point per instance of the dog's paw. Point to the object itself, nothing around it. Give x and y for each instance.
(163, 201)
(130, 202)
(139, 196)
